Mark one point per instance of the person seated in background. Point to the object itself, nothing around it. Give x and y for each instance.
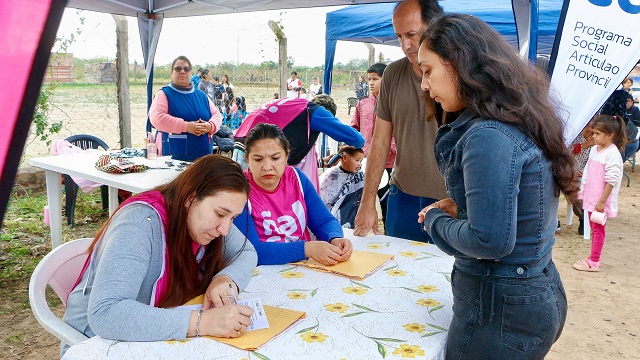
(302, 121)
(616, 104)
(341, 186)
(632, 113)
(186, 115)
(276, 96)
(283, 206)
(162, 248)
(364, 120)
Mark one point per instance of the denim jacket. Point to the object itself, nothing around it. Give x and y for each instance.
(505, 192)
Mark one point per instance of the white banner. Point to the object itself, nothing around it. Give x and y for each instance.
(596, 47)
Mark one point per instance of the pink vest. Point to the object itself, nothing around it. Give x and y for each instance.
(155, 200)
(281, 215)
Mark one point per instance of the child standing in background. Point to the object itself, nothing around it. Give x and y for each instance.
(341, 186)
(364, 120)
(601, 181)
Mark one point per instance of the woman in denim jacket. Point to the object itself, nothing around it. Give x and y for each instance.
(504, 162)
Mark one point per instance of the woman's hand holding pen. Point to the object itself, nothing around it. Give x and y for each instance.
(219, 293)
(221, 315)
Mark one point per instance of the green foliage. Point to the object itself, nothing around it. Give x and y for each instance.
(44, 127)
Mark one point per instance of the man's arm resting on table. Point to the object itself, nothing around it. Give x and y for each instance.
(366, 219)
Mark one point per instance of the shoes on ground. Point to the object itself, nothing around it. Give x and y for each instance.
(587, 265)
(559, 227)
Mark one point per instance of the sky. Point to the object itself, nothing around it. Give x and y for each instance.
(243, 37)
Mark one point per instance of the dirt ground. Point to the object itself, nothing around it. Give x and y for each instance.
(604, 308)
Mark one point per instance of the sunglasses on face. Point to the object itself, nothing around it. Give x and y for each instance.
(179, 69)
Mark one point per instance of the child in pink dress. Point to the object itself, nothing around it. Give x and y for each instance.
(601, 181)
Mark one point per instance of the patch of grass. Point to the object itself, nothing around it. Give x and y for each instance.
(14, 339)
(25, 239)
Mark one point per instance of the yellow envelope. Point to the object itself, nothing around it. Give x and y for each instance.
(359, 266)
(279, 320)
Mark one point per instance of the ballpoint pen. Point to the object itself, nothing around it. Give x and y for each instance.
(233, 295)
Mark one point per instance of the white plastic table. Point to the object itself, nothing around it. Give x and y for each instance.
(83, 165)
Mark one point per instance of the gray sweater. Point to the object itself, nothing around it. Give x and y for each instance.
(127, 264)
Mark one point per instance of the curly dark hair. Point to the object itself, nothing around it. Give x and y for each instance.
(494, 82)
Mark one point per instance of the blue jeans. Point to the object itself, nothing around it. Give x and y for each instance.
(497, 317)
(629, 150)
(402, 215)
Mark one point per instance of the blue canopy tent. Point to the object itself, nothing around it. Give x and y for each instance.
(372, 24)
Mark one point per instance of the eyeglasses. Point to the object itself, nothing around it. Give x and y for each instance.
(179, 69)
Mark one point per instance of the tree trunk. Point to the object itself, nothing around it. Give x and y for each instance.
(282, 57)
(372, 54)
(122, 83)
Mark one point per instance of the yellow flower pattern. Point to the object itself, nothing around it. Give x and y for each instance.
(337, 307)
(396, 272)
(374, 246)
(314, 337)
(428, 302)
(427, 288)
(296, 295)
(410, 254)
(414, 327)
(409, 351)
(292, 275)
(417, 243)
(355, 290)
(176, 341)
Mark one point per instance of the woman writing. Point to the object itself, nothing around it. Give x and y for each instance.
(184, 116)
(284, 206)
(504, 162)
(162, 248)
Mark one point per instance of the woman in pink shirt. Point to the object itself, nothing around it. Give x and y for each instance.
(284, 207)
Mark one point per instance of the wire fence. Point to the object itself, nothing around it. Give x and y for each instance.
(93, 108)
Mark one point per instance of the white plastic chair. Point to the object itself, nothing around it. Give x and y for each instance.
(60, 270)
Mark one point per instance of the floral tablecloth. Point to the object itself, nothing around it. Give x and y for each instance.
(401, 311)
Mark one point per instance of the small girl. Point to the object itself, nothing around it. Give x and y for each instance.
(341, 186)
(601, 181)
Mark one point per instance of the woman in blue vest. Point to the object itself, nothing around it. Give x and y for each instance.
(185, 117)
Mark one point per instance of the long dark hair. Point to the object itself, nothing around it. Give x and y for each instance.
(208, 176)
(496, 83)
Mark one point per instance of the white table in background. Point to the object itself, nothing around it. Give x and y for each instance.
(402, 309)
(83, 165)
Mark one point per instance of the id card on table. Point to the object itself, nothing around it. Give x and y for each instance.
(259, 317)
